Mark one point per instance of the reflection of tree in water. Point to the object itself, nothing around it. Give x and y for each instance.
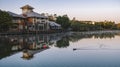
(5, 47)
(104, 35)
(63, 43)
(78, 36)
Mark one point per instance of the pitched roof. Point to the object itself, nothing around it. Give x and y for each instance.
(53, 24)
(27, 7)
(34, 14)
(14, 14)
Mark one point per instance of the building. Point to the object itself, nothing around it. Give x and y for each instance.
(18, 21)
(30, 21)
(35, 21)
(54, 26)
(88, 22)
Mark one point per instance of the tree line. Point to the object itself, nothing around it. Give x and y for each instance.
(92, 26)
(76, 25)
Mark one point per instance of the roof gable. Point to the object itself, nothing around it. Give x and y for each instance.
(27, 7)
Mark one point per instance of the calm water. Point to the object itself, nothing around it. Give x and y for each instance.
(61, 50)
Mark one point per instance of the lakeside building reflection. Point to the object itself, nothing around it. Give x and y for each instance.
(30, 45)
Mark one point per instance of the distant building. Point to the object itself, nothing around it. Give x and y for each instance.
(88, 22)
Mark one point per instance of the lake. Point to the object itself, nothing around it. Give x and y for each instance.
(71, 49)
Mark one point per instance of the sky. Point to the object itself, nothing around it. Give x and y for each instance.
(93, 10)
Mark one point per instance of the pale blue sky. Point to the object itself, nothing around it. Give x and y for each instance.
(96, 10)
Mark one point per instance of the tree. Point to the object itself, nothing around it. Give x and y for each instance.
(76, 26)
(5, 21)
(63, 43)
(82, 26)
(64, 21)
(99, 25)
(109, 25)
(118, 26)
(52, 17)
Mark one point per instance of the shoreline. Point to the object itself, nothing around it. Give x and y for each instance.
(27, 33)
(97, 32)
(45, 32)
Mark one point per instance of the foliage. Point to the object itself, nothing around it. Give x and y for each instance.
(81, 26)
(89, 26)
(51, 18)
(64, 42)
(105, 25)
(64, 21)
(5, 21)
(118, 26)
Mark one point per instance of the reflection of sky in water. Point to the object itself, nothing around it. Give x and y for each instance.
(108, 43)
(66, 57)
